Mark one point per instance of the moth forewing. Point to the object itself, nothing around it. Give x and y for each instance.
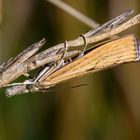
(123, 50)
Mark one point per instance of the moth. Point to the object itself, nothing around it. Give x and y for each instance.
(119, 51)
(109, 54)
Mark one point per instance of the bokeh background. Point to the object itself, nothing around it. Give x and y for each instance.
(108, 108)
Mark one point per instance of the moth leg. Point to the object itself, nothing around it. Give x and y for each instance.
(85, 46)
(85, 43)
(27, 82)
(49, 70)
(61, 60)
(84, 49)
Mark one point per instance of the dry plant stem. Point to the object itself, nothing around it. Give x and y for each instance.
(73, 12)
(92, 39)
(51, 53)
(42, 57)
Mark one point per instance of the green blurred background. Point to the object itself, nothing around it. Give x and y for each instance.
(106, 109)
